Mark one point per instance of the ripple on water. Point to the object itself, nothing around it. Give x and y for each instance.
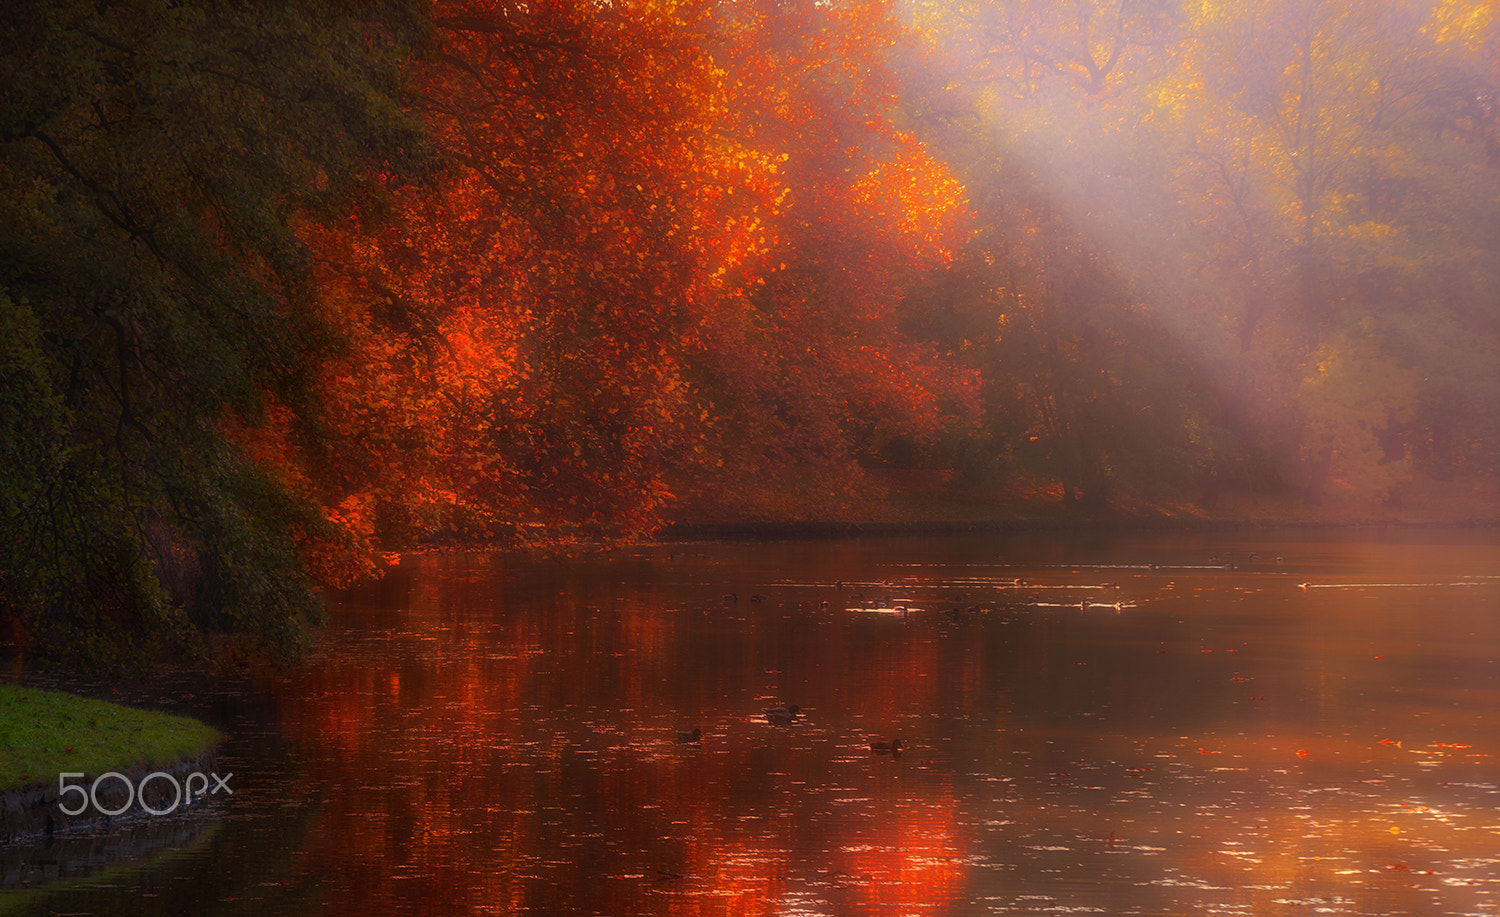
(1068, 763)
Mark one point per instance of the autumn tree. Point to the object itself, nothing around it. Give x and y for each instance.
(623, 293)
(1044, 112)
(820, 381)
(1283, 204)
(520, 328)
(1339, 151)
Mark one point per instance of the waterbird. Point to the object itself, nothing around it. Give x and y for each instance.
(782, 715)
(893, 747)
(690, 738)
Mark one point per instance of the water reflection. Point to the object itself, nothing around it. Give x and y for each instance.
(1152, 726)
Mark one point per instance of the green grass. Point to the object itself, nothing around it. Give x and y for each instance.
(44, 733)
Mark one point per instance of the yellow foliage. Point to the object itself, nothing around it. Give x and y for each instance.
(1352, 391)
(1463, 22)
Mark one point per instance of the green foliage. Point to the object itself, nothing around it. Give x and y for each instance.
(152, 158)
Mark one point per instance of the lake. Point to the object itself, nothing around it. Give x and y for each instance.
(1267, 722)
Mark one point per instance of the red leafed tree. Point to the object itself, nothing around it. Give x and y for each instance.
(813, 374)
(660, 241)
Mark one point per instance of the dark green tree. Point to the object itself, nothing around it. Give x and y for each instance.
(153, 158)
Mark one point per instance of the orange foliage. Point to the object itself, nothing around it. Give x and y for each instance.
(658, 264)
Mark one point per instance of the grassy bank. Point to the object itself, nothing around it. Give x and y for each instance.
(45, 733)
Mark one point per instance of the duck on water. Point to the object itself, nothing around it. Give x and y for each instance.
(782, 715)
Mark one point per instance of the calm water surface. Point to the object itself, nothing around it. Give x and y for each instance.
(1119, 726)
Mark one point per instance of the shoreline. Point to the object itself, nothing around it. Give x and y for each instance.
(33, 812)
(794, 530)
(151, 754)
(1104, 524)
